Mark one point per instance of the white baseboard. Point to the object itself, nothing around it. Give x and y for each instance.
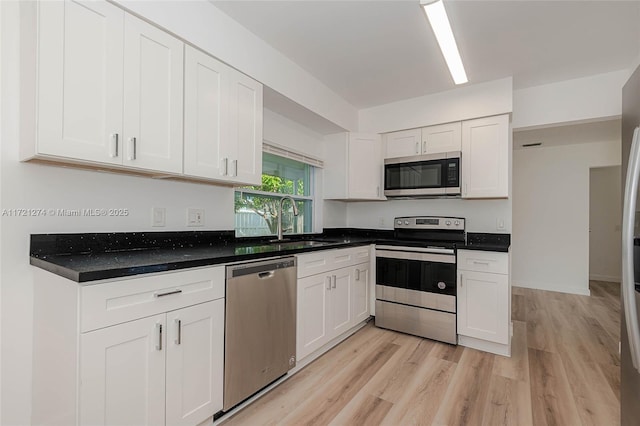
(608, 278)
(553, 287)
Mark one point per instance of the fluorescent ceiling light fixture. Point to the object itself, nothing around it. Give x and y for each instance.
(442, 29)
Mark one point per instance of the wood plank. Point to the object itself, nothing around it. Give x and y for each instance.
(340, 389)
(464, 402)
(551, 398)
(509, 403)
(423, 395)
(369, 410)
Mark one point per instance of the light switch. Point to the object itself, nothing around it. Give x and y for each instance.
(158, 216)
(500, 224)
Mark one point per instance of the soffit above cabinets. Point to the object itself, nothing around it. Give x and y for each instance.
(596, 131)
(375, 52)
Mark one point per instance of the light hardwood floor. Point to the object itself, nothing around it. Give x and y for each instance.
(564, 370)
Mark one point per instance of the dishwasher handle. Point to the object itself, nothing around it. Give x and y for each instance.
(266, 275)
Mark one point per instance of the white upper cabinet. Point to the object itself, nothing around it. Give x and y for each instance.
(109, 88)
(353, 167)
(244, 146)
(79, 80)
(485, 157)
(428, 140)
(206, 93)
(442, 138)
(403, 143)
(153, 82)
(102, 87)
(223, 121)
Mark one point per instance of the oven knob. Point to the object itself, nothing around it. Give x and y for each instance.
(406, 222)
(399, 222)
(456, 223)
(448, 223)
(442, 285)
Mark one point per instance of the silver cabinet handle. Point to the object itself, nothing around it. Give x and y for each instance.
(477, 262)
(235, 167)
(159, 331)
(225, 167)
(424, 146)
(334, 281)
(169, 293)
(417, 147)
(465, 189)
(179, 325)
(329, 283)
(378, 190)
(114, 145)
(461, 282)
(132, 149)
(357, 274)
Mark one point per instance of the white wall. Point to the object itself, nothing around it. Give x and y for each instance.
(605, 219)
(583, 99)
(471, 101)
(206, 26)
(550, 238)
(481, 215)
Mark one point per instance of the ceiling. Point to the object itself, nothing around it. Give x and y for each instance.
(374, 52)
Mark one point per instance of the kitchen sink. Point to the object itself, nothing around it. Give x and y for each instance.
(293, 244)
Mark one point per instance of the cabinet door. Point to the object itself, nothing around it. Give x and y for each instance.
(153, 89)
(244, 145)
(122, 377)
(340, 301)
(312, 331)
(80, 80)
(195, 352)
(403, 144)
(485, 157)
(442, 138)
(483, 306)
(205, 114)
(364, 166)
(360, 294)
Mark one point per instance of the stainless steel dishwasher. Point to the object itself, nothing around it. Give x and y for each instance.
(260, 326)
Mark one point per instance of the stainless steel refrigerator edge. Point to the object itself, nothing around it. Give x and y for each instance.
(629, 374)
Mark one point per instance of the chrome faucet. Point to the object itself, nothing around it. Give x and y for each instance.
(295, 213)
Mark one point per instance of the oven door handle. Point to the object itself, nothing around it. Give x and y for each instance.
(421, 257)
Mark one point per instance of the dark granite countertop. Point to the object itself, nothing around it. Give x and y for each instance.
(486, 242)
(90, 257)
(86, 258)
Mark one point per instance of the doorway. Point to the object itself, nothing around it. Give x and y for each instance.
(605, 219)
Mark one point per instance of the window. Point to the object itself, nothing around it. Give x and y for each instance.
(256, 207)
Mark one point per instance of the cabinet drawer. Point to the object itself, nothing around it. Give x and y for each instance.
(102, 305)
(483, 261)
(328, 260)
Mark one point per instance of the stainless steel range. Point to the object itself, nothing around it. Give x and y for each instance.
(416, 277)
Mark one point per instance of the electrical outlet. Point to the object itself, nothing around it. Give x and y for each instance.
(500, 224)
(195, 217)
(158, 216)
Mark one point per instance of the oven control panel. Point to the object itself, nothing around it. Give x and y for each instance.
(429, 222)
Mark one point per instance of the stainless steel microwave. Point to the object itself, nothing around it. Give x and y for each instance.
(422, 175)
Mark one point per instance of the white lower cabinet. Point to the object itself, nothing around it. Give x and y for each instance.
(164, 366)
(332, 302)
(484, 301)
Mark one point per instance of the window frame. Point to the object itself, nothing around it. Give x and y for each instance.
(315, 198)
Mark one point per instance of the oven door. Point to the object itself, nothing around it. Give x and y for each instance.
(430, 272)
